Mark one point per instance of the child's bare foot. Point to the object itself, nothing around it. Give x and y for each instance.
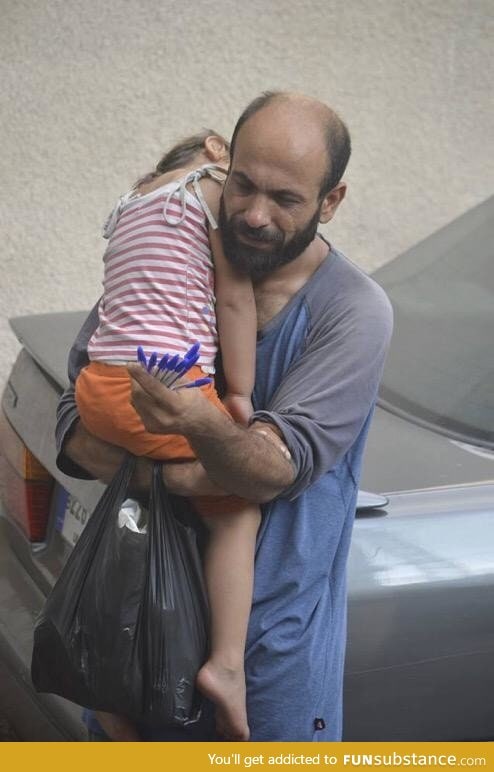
(226, 688)
(118, 728)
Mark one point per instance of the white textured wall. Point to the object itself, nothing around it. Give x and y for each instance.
(92, 92)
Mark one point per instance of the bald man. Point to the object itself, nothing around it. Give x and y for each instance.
(324, 329)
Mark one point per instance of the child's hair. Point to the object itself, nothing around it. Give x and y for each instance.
(182, 153)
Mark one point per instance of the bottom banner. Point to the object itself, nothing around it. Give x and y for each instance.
(237, 757)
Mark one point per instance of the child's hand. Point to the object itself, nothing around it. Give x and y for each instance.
(239, 407)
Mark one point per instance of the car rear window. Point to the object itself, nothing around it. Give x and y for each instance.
(440, 370)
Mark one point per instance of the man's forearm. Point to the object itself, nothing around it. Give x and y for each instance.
(99, 458)
(252, 463)
(102, 460)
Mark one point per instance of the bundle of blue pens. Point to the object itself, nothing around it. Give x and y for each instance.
(171, 368)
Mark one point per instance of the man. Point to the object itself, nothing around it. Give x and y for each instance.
(324, 329)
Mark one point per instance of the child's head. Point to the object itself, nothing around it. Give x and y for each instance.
(205, 147)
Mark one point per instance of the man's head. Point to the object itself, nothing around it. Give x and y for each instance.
(289, 153)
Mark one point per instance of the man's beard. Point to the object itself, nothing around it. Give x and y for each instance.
(258, 263)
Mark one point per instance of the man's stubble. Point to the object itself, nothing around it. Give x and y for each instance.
(258, 263)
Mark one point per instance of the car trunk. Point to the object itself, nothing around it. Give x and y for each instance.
(29, 404)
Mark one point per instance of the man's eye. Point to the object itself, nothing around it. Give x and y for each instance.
(243, 187)
(285, 201)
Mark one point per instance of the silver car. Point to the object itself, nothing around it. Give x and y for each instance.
(420, 661)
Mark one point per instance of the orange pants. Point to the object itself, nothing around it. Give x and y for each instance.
(103, 394)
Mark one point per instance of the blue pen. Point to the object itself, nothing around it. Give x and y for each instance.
(163, 362)
(182, 368)
(164, 366)
(170, 368)
(173, 362)
(191, 362)
(179, 370)
(193, 351)
(141, 357)
(193, 384)
(152, 361)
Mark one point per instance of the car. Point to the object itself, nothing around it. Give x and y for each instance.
(420, 657)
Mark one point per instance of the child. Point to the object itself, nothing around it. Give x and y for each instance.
(163, 265)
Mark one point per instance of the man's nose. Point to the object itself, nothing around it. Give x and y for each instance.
(257, 214)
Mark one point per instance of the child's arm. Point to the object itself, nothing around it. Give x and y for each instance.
(237, 327)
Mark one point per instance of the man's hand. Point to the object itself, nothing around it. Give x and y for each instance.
(164, 410)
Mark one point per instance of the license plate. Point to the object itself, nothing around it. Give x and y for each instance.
(71, 517)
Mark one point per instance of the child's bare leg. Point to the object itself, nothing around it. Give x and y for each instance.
(118, 728)
(229, 570)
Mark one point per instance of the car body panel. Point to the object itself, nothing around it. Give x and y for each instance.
(28, 387)
(439, 368)
(421, 621)
(402, 456)
(36, 717)
(48, 338)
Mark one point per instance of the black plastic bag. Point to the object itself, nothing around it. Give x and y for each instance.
(124, 630)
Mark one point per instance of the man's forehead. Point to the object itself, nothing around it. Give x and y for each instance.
(298, 129)
(284, 150)
(282, 139)
(297, 123)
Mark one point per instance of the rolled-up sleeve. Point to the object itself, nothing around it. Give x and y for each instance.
(328, 393)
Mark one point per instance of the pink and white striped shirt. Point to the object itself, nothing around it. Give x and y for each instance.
(158, 276)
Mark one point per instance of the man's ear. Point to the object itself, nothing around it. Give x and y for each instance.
(215, 148)
(331, 202)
